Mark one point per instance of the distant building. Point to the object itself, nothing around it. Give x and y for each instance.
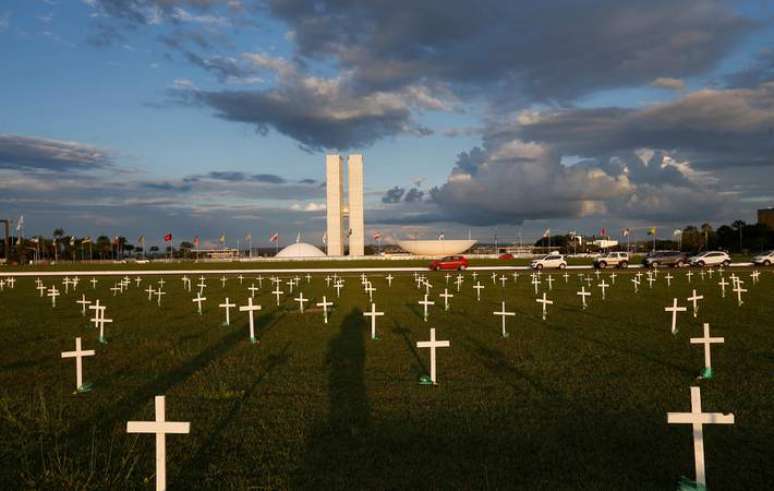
(215, 253)
(766, 217)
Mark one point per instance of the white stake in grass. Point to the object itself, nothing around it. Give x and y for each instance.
(432, 344)
(696, 418)
(160, 427)
(707, 341)
(674, 309)
(79, 354)
(504, 314)
(228, 306)
(250, 308)
(373, 314)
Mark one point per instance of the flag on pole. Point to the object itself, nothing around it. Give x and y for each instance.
(603, 232)
(167, 237)
(86, 240)
(72, 240)
(20, 223)
(274, 237)
(249, 237)
(626, 232)
(547, 233)
(442, 236)
(652, 231)
(196, 241)
(222, 238)
(34, 240)
(677, 232)
(141, 239)
(377, 236)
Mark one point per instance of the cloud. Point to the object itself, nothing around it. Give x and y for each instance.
(414, 195)
(5, 21)
(494, 47)
(393, 195)
(668, 83)
(33, 153)
(759, 71)
(710, 128)
(319, 113)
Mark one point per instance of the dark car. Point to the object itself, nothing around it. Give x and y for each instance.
(675, 259)
(455, 263)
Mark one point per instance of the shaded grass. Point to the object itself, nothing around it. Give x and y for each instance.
(577, 401)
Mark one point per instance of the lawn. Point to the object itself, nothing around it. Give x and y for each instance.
(576, 401)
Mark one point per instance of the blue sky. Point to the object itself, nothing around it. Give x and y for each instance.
(150, 116)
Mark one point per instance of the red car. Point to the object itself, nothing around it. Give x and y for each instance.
(456, 263)
(506, 257)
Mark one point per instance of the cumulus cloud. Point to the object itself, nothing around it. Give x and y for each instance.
(33, 153)
(393, 195)
(668, 83)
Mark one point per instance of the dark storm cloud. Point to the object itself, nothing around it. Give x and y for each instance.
(393, 195)
(414, 195)
(759, 71)
(32, 153)
(548, 50)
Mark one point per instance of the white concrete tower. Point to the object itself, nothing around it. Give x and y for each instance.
(334, 184)
(355, 205)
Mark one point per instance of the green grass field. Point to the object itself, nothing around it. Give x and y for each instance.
(578, 401)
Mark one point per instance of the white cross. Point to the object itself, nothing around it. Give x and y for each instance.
(597, 272)
(583, 294)
(373, 314)
(503, 279)
(78, 354)
(290, 284)
(162, 283)
(668, 277)
(338, 286)
(695, 300)
(494, 278)
(83, 303)
(370, 290)
(701, 274)
(240, 278)
(639, 276)
(41, 288)
(227, 306)
(536, 283)
(116, 289)
(325, 304)
(446, 296)
(433, 344)
(636, 283)
(447, 278)
(612, 278)
(426, 303)
(252, 289)
(754, 275)
(428, 286)
(186, 283)
(675, 309)
(475, 275)
(651, 279)
(458, 282)
(707, 341)
(503, 314)
(688, 275)
(137, 281)
(94, 282)
(159, 293)
(300, 299)
(53, 293)
(389, 280)
(739, 290)
(223, 281)
(515, 276)
(363, 278)
(545, 302)
(250, 308)
(150, 291)
(478, 286)
(697, 418)
(160, 427)
(328, 281)
(99, 319)
(723, 284)
(276, 293)
(566, 276)
(66, 283)
(260, 281)
(603, 286)
(308, 278)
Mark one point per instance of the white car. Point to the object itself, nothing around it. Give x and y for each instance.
(711, 258)
(549, 261)
(764, 259)
(612, 259)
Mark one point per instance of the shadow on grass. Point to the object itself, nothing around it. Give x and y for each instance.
(121, 410)
(418, 367)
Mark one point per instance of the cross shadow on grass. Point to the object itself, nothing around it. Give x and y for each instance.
(122, 409)
(418, 367)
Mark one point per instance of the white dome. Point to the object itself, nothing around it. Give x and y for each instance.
(300, 249)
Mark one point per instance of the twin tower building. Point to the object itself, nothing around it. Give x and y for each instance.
(354, 230)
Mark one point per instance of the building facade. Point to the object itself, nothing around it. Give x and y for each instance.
(766, 217)
(354, 231)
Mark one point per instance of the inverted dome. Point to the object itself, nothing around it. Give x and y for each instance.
(436, 247)
(300, 249)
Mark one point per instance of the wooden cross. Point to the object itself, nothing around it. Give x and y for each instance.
(603, 286)
(695, 300)
(338, 286)
(723, 284)
(53, 293)
(370, 290)
(433, 344)
(739, 290)
(668, 278)
(446, 296)
(228, 307)
(503, 279)
(300, 299)
(150, 291)
(478, 286)
(504, 314)
(707, 341)
(458, 282)
(252, 289)
(159, 294)
(94, 282)
(389, 280)
(41, 288)
(583, 294)
(325, 304)
(675, 309)
(78, 354)
(373, 314)
(426, 303)
(160, 427)
(688, 275)
(83, 303)
(276, 293)
(328, 281)
(612, 278)
(696, 418)
(250, 308)
(545, 303)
